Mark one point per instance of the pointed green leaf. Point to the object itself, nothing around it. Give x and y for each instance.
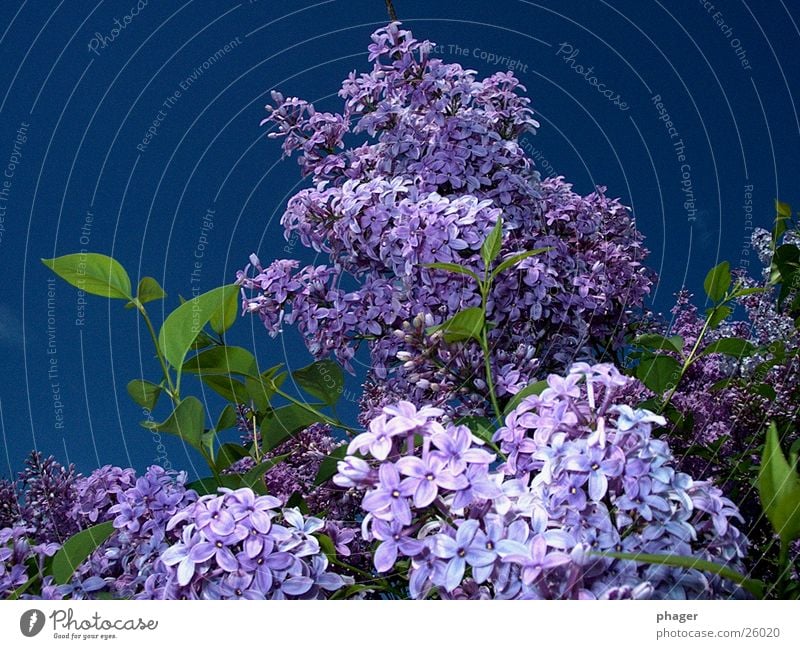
(494, 241)
(737, 347)
(228, 454)
(255, 476)
(227, 387)
(659, 373)
(515, 259)
(464, 325)
(76, 550)
(779, 489)
(481, 427)
(534, 388)
(224, 318)
(323, 379)
(144, 393)
(454, 268)
(182, 326)
(657, 341)
(223, 359)
(328, 466)
(187, 421)
(93, 273)
(718, 281)
(228, 418)
(281, 423)
(149, 290)
(744, 292)
(717, 315)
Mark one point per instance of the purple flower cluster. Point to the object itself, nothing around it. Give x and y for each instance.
(139, 508)
(21, 558)
(582, 475)
(140, 513)
(238, 545)
(48, 492)
(442, 166)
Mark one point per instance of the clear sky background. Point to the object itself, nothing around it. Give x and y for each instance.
(78, 169)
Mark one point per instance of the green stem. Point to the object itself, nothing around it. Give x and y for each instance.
(392, 12)
(171, 388)
(485, 347)
(690, 358)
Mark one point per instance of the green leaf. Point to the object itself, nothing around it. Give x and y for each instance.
(281, 423)
(765, 390)
(327, 546)
(184, 324)
(93, 273)
(721, 384)
(224, 318)
(794, 452)
(144, 393)
(753, 586)
(223, 359)
(717, 314)
(262, 388)
(328, 466)
(718, 281)
(743, 292)
(255, 477)
(323, 379)
(454, 268)
(783, 214)
(202, 341)
(227, 387)
(149, 290)
(464, 325)
(657, 341)
(491, 246)
(187, 421)
(77, 548)
(659, 373)
(481, 427)
(779, 489)
(534, 388)
(737, 347)
(514, 260)
(228, 418)
(228, 454)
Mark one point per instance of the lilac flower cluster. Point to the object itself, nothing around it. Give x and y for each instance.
(726, 402)
(582, 475)
(21, 558)
(295, 476)
(442, 166)
(49, 490)
(139, 508)
(238, 545)
(718, 391)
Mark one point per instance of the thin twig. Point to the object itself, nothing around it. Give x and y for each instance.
(392, 12)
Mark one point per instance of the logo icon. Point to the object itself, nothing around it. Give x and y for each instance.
(31, 622)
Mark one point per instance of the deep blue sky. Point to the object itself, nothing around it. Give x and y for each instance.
(82, 112)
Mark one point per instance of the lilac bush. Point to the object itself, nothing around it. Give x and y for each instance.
(582, 475)
(442, 164)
